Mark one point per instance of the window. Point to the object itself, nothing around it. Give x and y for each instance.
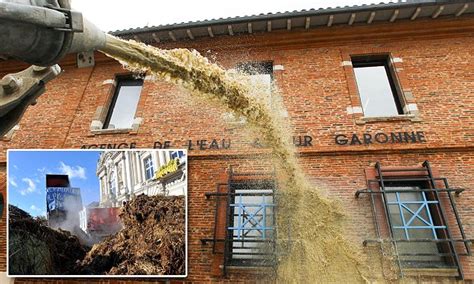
(124, 103)
(377, 85)
(1, 204)
(261, 74)
(113, 184)
(414, 216)
(414, 212)
(149, 171)
(244, 226)
(252, 223)
(177, 154)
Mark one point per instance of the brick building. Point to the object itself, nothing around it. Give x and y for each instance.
(409, 150)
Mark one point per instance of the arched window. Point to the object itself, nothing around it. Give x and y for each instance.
(149, 170)
(113, 183)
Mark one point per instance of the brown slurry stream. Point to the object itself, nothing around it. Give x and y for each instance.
(318, 251)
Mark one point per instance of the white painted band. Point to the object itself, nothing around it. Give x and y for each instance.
(346, 63)
(352, 110)
(109, 81)
(278, 68)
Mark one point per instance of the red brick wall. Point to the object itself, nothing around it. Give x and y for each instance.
(3, 221)
(437, 68)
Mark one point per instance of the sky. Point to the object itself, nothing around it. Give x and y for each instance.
(27, 176)
(111, 15)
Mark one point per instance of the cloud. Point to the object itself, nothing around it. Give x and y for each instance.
(31, 186)
(36, 209)
(73, 171)
(43, 171)
(13, 181)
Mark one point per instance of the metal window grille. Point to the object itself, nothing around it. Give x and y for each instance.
(411, 210)
(251, 223)
(250, 220)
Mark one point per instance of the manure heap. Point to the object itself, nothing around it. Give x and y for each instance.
(151, 242)
(36, 249)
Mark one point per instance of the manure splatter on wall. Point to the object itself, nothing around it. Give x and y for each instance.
(316, 250)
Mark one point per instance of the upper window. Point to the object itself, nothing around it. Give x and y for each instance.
(124, 103)
(149, 170)
(261, 74)
(377, 85)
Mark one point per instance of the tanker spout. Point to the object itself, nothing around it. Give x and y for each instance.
(40, 33)
(92, 38)
(44, 32)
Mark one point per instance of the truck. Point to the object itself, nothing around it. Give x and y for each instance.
(63, 202)
(102, 222)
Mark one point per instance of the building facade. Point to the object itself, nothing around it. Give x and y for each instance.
(380, 99)
(126, 174)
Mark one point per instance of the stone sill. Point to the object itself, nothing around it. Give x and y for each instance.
(113, 131)
(430, 272)
(9, 135)
(255, 269)
(396, 118)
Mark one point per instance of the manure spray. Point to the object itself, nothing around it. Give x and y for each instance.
(317, 250)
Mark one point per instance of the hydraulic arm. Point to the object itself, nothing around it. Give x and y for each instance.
(39, 32)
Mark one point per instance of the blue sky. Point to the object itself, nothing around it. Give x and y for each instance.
(27, 171)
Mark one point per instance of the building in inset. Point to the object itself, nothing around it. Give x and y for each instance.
(125, 174)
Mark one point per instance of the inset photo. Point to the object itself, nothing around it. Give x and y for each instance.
(97, 213)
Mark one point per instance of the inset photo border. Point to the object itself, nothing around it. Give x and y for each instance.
(97, 213)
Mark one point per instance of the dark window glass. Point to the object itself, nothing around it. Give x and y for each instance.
(177, 154)
(376, 87)
(254, 68)
(124, 104)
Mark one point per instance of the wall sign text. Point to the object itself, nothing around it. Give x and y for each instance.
(380, 138)
(199, 144)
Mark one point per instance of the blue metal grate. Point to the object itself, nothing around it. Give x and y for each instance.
(405, 207)
(251, 217)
